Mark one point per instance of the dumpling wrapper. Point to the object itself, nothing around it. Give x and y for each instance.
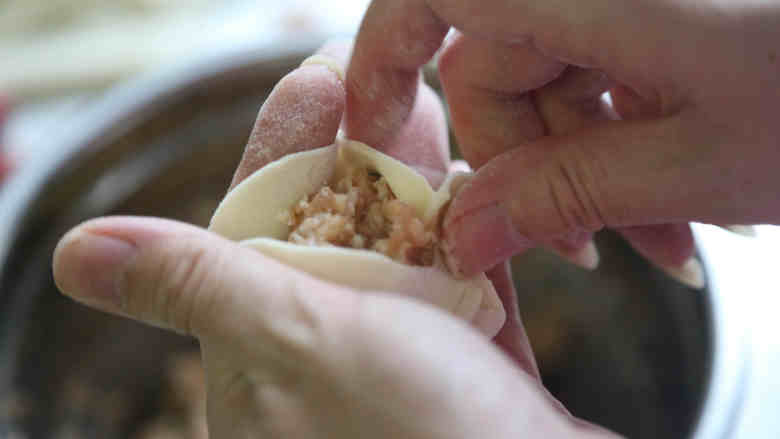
(253, 213)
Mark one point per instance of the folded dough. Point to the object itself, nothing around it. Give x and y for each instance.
(257, 213)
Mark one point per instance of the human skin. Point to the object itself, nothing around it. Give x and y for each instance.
(287, 355)
(692, 134)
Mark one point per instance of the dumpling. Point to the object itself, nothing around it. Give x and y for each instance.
(348, 214)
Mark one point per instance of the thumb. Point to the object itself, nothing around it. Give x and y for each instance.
(177, 276)
(619, 173)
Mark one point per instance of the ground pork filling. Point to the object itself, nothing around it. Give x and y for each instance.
(361, 211)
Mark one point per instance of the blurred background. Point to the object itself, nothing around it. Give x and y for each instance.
(144, 106)
(59, 55)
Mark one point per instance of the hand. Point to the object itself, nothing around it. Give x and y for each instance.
(692, 134)
(287, 355)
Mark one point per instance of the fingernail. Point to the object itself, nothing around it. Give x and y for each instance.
(459, 166)
(331, 63)
(586, 257)
(453, 181)
(482, 239)
(739, 229)
(489, 321)
(491, 316)
(689, 273)
(459, 178)
(87, 267)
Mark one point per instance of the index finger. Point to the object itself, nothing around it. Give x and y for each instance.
(396, 38)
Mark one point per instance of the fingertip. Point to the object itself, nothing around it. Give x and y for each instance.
(491, 315)
(393, 43)
(689, 273)
(481, 239)
(88, 265)
(671, 248)
(586, 256)
(459, 166)
(152, 270)
(304, 111)
(323, 60)
(422, 140)
(378, 104)
(489, 320)
(60, 258)
(742, 230)
(334, 55)
(338, 48)
(478, 228)
(664, 244)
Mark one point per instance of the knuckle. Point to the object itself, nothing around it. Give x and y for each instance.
(170, 284)
(313, 314)
(187, 283)
(572, 184)
(305, 326)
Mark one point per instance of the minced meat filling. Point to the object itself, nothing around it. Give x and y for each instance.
(361, 211)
